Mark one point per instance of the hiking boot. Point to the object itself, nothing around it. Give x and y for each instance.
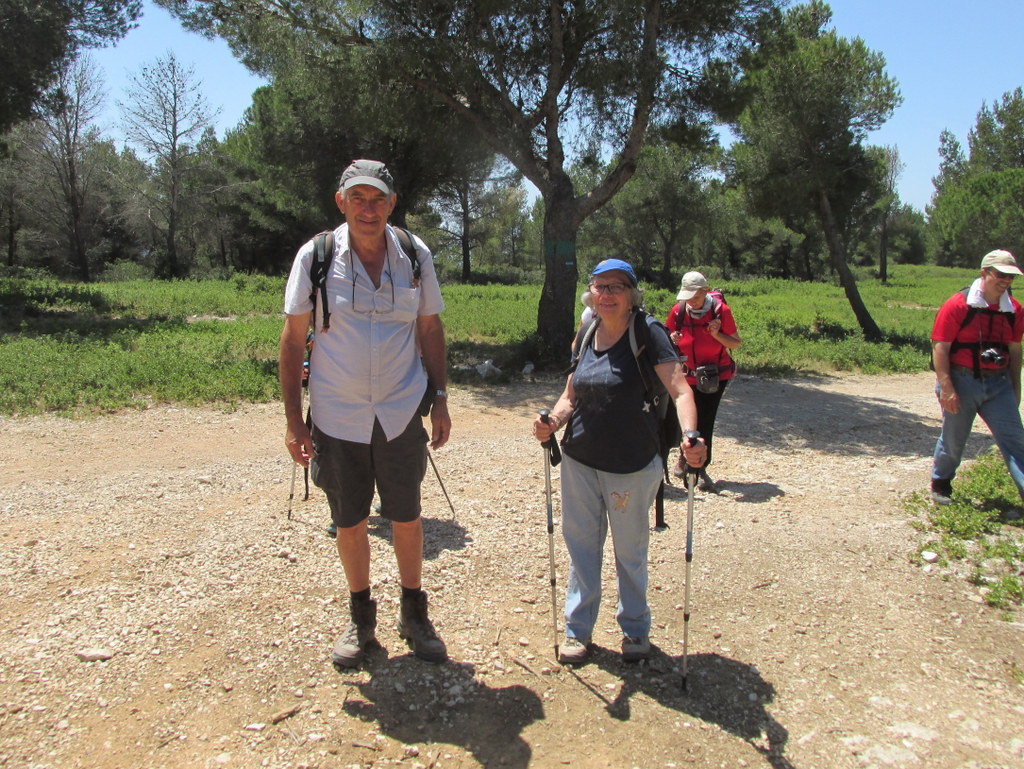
(942, 491)
(705, 483)
(358, 636)
(573, 651)
(415, 627)
(679, 471)
(635, 648)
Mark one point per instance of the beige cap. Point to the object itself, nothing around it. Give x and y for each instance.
(692, 283)
(1002, 261)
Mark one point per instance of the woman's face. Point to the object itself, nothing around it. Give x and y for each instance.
(612, 292)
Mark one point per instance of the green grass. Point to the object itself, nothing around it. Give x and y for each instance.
(71, 348)
(980, 535)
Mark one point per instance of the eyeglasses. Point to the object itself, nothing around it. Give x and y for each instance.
(1001, 275)
(607, 288)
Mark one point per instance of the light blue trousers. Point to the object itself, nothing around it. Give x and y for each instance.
(992, 399)
(592, 502)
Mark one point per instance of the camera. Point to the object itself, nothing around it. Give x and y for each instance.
(993, 357)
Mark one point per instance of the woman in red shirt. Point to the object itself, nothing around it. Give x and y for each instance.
(702, 327)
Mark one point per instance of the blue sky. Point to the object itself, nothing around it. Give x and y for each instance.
(949, 58)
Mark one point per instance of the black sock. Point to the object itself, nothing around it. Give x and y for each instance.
(410, 593)
(362, 596)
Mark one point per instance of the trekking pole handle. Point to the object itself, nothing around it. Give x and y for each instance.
(690, 438)
(550, 444)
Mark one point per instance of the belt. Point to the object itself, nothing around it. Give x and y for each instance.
(985, 372)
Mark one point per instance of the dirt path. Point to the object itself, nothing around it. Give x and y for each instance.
(161, 539)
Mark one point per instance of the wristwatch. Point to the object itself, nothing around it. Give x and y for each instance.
(440, 393)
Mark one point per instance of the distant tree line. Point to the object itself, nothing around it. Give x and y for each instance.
(526, 147)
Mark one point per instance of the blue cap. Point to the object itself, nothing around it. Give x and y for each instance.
(615, 264)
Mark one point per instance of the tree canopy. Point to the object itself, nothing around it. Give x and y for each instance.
(39, 35)
(543, 84)
(979, 197)
(814, 96)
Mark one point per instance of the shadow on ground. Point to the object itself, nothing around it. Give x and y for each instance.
(445, 705)
(719, 690)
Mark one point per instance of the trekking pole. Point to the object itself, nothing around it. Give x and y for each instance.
(291, 494)
(441, 483)
(552, 456)
(691, 480)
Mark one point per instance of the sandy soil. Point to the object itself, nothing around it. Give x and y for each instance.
(161, 542)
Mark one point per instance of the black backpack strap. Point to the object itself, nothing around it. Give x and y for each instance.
(405, 239)
(583, 337)
(323, 255)
(975, 347)
(640, 342)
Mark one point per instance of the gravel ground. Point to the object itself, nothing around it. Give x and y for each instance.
(160, 609)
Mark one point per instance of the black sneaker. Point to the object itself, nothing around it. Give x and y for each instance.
(942, 491)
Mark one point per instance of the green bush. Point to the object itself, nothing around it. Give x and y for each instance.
(217, 339)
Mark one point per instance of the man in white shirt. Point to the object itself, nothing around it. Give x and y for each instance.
(366, 383)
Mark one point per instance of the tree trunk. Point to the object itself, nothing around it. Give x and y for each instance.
(883, 249)
(464, 237)
(555, 311)
(12, 234)
(75, 217)
(870, 329)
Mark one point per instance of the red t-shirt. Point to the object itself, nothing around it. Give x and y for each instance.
(699, 347)
(991, 329)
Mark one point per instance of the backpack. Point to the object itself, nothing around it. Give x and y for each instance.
(323, 255)
(717, 300)
(1010, 318)
(656, 396)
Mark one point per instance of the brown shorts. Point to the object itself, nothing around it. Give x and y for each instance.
(348, 472)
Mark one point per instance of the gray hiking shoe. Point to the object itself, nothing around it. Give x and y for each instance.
(573, 651)
(415, 627)
(705, 483)
(635, 648)
(358, 636)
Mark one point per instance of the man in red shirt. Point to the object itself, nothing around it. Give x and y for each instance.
(976, 348)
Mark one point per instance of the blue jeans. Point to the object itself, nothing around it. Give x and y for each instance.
(593, 501)
(993, 399)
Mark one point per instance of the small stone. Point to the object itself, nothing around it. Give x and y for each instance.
(94, 655)
(929, 557)
(255, 727)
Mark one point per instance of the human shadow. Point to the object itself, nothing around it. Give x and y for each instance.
(799, 414)
(439, 534)
(416, 703)
(719, 690)
(739, 491)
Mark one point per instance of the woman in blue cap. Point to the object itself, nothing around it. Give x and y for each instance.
(611, 465)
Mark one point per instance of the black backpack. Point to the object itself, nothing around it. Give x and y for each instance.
(656, 396)
(975, 347)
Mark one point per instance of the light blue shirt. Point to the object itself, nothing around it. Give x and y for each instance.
(366, 366)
